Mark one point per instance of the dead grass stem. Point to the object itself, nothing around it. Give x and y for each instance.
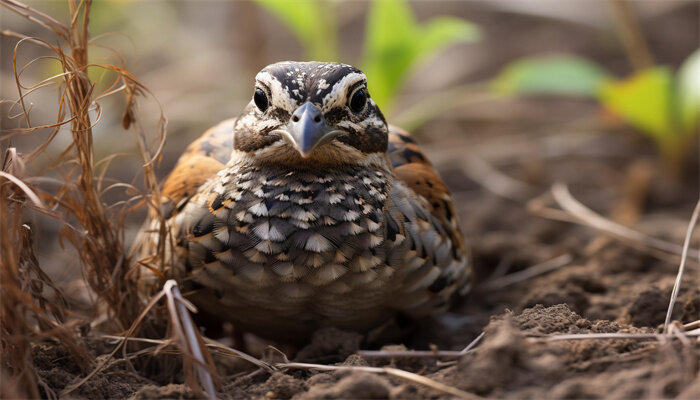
(528, 273)
(183, 334)
(575, 212)
(33, 307)
(681, 267)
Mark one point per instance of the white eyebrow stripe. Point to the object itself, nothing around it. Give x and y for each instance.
(279, 94)
(339, 90)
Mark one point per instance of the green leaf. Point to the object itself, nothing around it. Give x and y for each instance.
(689, 92)
(644, 101)
(440, 32)
(390, 25)
(559, 74)
(395, 43)
(313, 23)
(387, 47)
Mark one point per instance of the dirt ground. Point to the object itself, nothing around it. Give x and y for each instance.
(500, 160)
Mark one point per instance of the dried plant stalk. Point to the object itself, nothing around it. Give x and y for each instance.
(16, 333)
(681, 268)
(97, 234)
(101, 248)
(26, 314)
(93, 227)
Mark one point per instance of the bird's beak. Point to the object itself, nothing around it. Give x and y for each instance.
(307, 129)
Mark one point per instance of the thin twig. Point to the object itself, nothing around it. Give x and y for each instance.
(630, 34)
(50, 23)
(681, 268)
(23, 186)
(187, 336)
(472, 344)
(642, 336)
(445, 364)
(692, 325)
(409, 354)
(212, 344)
(496, 181)
(410, 376)
(228, 351)
(588, 217)
(535, 270)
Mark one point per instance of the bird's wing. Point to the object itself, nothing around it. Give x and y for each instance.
(201, 160)
(423, 226)
(413, 168)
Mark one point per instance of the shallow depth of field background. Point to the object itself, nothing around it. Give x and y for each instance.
(509, 99)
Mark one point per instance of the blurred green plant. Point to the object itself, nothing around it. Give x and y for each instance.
(394, 44)
(663, 106)
(689, 90)
(554, 74)
(313, 23)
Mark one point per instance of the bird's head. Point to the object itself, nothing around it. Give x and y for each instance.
(312, 113)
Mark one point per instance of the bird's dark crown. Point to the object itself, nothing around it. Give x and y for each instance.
(311, 112)
(311, 81)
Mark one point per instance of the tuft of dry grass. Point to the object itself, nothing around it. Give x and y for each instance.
(200, 372)
(33, 307)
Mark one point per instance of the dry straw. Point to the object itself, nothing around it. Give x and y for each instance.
(33, 308)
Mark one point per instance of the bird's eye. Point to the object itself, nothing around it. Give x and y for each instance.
(260, 99)
(358, 100)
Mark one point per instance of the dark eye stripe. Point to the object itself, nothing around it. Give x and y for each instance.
(336, 114)
(372, 140)
(250, 140)
(280, 114)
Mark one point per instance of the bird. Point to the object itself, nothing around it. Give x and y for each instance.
(309, 210)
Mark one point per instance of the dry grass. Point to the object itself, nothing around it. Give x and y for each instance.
(33, 308)
(199, 368)
(27, 313)
(575, 212)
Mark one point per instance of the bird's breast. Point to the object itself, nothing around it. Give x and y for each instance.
(277, 249)
(266, 226)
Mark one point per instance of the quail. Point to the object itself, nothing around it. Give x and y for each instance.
(309, 211)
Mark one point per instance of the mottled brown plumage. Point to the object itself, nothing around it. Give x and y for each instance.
(308, 210)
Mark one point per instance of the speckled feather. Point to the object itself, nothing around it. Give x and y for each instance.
(282, 248)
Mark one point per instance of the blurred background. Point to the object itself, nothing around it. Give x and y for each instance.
(506, 97)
